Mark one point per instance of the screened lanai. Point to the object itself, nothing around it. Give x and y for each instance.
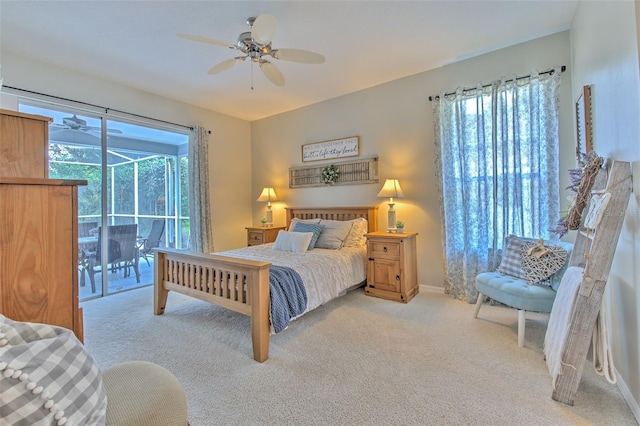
(136, 175)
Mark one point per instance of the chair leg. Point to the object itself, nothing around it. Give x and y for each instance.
(521, 323)
(136, 268)
(478, 305)
(92, 277)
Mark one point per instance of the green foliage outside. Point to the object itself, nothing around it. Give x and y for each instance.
(84, 163)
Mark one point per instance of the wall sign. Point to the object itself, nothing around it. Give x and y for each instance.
(584, 129)
(337, 148)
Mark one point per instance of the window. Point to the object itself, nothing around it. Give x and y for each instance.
(498, 171)
(135, 176)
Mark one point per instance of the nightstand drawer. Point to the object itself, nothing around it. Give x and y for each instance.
(257, 235)
(384, 248)
(255, 238)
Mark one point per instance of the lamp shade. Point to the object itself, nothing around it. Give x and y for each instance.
(391, 189)
(268, 194)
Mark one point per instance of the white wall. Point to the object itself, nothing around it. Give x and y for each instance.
(230, 138)
(395, 122)
(604, 40)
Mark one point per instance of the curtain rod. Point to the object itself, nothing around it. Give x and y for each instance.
(106, 109)
(563, 68)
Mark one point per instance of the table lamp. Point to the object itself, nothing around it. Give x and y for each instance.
(268, 195)
(392, 190)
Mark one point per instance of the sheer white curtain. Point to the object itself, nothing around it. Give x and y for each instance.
(201, 234)
(497, 171)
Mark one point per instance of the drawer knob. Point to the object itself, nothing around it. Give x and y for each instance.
(397, 277)
(384, 249)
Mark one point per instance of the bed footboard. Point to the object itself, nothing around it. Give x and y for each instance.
(236, 284)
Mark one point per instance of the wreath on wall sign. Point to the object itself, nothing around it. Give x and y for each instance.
(330, 175)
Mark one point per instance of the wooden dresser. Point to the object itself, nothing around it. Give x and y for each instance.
(38, 229)
(24, 145)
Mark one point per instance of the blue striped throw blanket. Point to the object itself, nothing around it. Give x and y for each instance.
(288, 296)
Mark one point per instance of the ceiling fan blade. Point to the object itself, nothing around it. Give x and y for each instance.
(225, 65)
(272, 73)
(207, 40)
(263, 29)
(298, 55)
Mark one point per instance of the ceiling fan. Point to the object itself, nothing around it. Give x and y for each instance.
(255, 45)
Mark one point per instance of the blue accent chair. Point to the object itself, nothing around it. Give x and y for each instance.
(517, 293)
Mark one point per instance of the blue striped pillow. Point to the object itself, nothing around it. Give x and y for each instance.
(316, 229)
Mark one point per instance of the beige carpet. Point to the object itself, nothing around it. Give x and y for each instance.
(355, 361)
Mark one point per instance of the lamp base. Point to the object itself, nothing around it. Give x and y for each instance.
(391, 219)
(269, 217)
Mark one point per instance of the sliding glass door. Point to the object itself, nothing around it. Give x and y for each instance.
(134, 200)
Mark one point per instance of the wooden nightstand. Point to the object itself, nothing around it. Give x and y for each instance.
(392, 270)
(262, 234)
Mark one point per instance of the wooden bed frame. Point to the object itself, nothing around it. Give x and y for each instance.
(236, 284)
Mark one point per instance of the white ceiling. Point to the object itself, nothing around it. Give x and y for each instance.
(365, 43)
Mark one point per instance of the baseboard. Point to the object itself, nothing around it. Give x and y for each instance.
(628, 396)
(431, 288)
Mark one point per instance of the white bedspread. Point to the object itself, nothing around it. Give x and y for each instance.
(325, 273)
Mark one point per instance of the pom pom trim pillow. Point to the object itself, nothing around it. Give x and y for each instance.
(294, 242)
(48, 377)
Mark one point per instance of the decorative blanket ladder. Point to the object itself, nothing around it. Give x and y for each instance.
(594, 251)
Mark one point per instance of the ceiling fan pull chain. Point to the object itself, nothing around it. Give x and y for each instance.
(251, 75)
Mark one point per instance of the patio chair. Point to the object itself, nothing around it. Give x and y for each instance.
(122, 252)
(84, 232)
(153, 239)
(84, 228)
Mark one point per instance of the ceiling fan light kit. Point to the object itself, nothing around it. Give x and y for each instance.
(256, 44)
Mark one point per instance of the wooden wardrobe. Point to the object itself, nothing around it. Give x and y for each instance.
(38, 228)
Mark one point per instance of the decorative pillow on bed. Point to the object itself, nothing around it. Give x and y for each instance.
(334, 234)
(295, 242)
(296, 220)
(47, 377)
(356, 237)
(316, 229)
(510, 263)
(540, 261)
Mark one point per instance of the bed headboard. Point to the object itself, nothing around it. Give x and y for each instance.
(335, 213)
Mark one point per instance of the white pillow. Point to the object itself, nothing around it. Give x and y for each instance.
(334, 234)
(356, 237)
(295, 242)
(296, 220)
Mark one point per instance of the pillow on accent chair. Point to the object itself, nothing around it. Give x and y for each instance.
(539, 267)
(510, 263)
